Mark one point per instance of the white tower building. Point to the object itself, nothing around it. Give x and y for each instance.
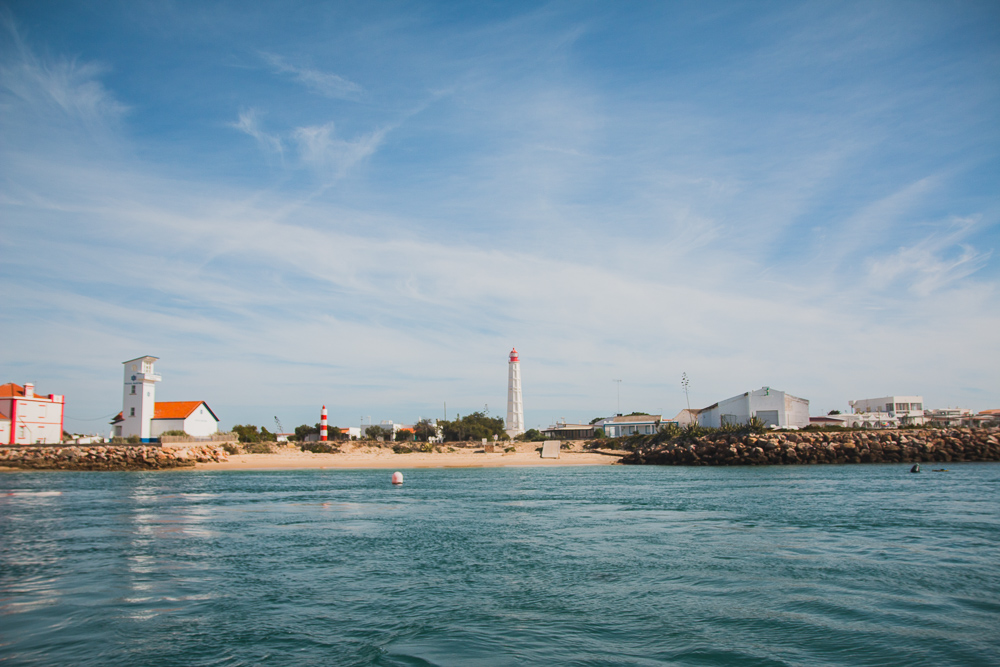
(515, 408)
(139, 400)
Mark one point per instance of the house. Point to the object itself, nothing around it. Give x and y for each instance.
(619, 426)
(773, 407)
(563, 431)
(907, 409)
(27, 418)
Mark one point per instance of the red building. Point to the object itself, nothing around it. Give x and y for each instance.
(27, 418)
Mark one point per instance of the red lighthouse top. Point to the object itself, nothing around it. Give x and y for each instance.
(513, 354)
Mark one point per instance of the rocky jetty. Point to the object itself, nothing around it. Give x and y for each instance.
(804, 447)
(109, 457)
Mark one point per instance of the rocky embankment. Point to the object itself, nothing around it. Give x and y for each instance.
(109, 457)
(902, 446)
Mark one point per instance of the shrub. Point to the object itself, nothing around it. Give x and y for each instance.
(260, 448)
(174, 432)
(402, 449)
(232, 448)
(133, 440)
(510, 449)
(320, 447)
(117, 440)
(427, 447)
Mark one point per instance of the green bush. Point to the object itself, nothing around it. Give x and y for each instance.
(232, 448)
(260, 448)
(402, 449)
(133, 440)
(510, 449)
(174, 432)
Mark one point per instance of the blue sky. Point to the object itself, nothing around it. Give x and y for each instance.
(367, 204)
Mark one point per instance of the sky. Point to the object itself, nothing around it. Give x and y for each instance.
(367, 205)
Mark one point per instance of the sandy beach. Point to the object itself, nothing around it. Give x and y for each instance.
(383, 457)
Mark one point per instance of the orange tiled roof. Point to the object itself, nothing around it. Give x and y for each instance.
(175, 409)
(11, 390)
(118, 418)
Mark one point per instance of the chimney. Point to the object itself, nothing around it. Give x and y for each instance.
(29, 390)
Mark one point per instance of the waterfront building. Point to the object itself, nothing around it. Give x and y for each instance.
(563, 431)
(515, 406)
(27, 418)
(773, 407)
(620, 426)
(142, 416)
(906, 409)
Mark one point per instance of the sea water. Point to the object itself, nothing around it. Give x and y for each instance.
(796, 565)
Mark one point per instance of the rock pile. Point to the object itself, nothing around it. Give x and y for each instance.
(803, 447)
(109, 457)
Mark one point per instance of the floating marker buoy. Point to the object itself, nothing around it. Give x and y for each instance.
(915, 468)
(397, 478)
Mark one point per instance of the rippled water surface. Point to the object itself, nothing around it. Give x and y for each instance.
(844, 565)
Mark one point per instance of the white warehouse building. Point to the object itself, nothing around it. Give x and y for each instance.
(773, 407)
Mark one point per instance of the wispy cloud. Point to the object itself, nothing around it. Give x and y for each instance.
(65, 84)
(325, 83)
(936, 262)
(321, 149)
(249, 124)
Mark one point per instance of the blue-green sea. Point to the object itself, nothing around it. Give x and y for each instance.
(796, 565)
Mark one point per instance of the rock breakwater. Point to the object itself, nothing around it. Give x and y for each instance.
(109, 457)
(803, 447)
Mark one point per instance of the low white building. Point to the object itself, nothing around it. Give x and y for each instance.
(773, 407)
(906, 409)
(622, 426)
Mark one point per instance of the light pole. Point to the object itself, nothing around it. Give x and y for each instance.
(619, 396)
(684, 383)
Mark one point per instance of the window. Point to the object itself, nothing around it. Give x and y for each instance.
(131, 412)
(902, 407)
(133, 390)
(916, 406)
(888, 407)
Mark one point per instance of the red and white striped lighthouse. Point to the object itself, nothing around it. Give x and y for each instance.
(322, 425)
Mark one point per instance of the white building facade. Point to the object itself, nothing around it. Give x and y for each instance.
(27, 418)
(620, 427)
(773, 407)
(515, 405)
(905, 409)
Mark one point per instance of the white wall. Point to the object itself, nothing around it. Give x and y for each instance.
(201, 422)
(158, 427)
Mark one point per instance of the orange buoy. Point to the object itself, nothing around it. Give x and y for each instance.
(397, 478)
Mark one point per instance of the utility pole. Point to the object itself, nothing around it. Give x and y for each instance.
(619, 396)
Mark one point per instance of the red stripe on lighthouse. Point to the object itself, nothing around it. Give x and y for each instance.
(322, 425)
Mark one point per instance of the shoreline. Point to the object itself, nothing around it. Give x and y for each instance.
(390, 460)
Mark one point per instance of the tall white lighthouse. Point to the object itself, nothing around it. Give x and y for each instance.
(139, 399)
(515, 408)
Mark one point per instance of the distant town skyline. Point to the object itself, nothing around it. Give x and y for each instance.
(367, 206)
